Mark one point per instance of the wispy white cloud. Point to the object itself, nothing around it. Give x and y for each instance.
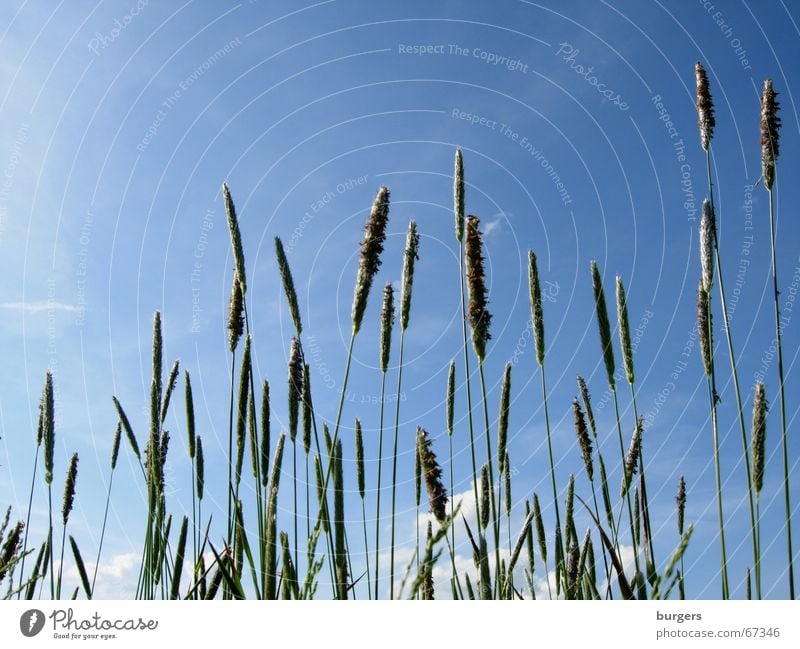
(37, 307)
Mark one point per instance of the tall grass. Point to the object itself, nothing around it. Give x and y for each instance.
(255, 550)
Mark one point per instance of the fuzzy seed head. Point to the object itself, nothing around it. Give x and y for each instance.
(451, 397)
(704, 327)
(360, 459)
(236, 237)
(432, 476)
(584, 440)
(502, 420)
(587, 403)
(410, 256)
(295, 386)
(479, 316)
(705, 107)
(190, 428)
(485, 496)
(47, 414)
(624, 331)
(370, 257)
(708, 239)
(770, 126)
(680, 502)
(288, 285)
(115, 445)
(759, 435)
(235, 313)
(632, 457)
(458, 195)
(199, 469)
(69, 488)
(603, 325)
(308, 412)
(387, 320)
(537, 314)
(540, 534)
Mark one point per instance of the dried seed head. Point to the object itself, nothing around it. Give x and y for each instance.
(370, 258)
(632, 458)
(288, 285)
(770, 124)
(427, 581)
(624, 331)
(265, 433)
(199, 468)
(637, 517)
(574, 555)
(360, 458)
(409, 258)
(569, 520)
(190, 428)
(417, 473)
(485, 496)
(587, 403)
(584, 441)
(47, 414)
(451, 396)
(158, 345)
(308, 412)
(705, 107)
(387, 319)
(759, 435)
(704, 327)
(295, 386)
(540, 534)
(236, 237)
(432, 475)
(458, 195)
(115, 446)
(235, 313)
(69, 488)
(10, 548)
(171, 380)
(502, 420)
(603, 325)
(507, 483)
(708, 238)
(537, 315)
(479, 316)
(680, 502)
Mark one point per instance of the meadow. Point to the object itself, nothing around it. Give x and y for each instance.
(257, 550)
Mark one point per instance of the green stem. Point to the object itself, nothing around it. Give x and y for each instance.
(28, 519)
(724, 556)
(734, 370)
(366, 546)
(378, 492)
(495, 517)
(394, 462)
(642, 484)
(103, 531)
(559, 550)
(781, 397)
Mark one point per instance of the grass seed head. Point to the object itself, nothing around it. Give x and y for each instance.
(360, 459)
(680, 502)
(708, 237)
(69, 488)
(537, 314)
(288, 285)
(603, 325)
(47, 414)
(704, 327)
(432, 476)
(295, 386)
(485, 496)
(705, 107)
(458, 195)
(236, 237)
(387, 320)
(479, 316)
(584, 440)
(770, 126)
(308, 412)
(540, 533)
(200, 469)
(624, 331)
(115, 445)
(451, 396)
(502, 419)
(759, 434)
(410, 256)
(632, 457)
(235, 313)
(370, 257)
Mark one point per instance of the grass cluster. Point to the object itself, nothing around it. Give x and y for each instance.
(254, 552)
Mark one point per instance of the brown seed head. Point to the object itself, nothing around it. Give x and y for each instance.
(770, 125)
(705, 107)
(479, 316)
(370, 258)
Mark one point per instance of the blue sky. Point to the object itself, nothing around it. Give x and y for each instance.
(119, 122)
